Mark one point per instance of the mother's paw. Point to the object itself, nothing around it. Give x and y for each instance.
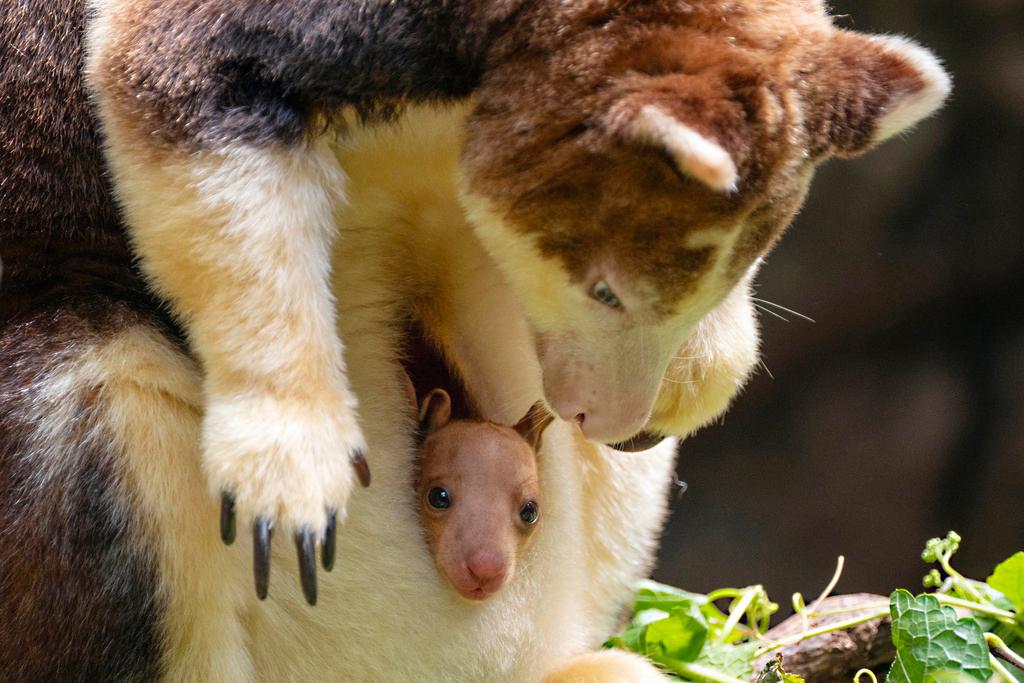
(607, 666)
(709, 369)
(283, 465)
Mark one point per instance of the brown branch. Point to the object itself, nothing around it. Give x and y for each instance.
(835, 657)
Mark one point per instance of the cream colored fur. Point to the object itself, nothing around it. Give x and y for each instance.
(603, 510)
(611, 665)
(384, 613)
(275, 415)
(250, 278)
(911, 109)
(384, 606)
(710, 368)
(405, 232)
(239, 241)
(151, 402)
(694, 154)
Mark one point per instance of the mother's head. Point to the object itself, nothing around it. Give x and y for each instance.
(628, 165)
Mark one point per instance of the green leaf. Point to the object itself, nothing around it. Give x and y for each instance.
(677, 636)
(644, 617)
(632, 639)
(733, 660)
(1008, 579)
(680, 637)
(932, 645)
(652, 595)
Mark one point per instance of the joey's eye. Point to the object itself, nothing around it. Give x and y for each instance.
(528, 513)
(603, 293)
(438, 498)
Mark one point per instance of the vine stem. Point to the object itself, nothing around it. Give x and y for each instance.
(716, 595)
(798, 599)
(1003, 672)
(999, 649)
(959, 579)
(702, 673)
(1000, 614)
(735, 614)
(837, 626)
(852, 608)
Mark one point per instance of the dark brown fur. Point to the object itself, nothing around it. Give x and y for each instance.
(778, 88)
(427, 369)
(59, 228)
(77, 587)
(205, 74)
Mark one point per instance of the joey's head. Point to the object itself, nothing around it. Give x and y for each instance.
(627, 165)
(478, 495)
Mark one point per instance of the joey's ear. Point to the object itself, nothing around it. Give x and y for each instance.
(436, 411)
(695, 154)
(532, 426)
(869, 88)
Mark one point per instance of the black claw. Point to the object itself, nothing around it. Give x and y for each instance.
(306, 545)
(227, 518)
(330, 540)
(261, 555)
(361, 468)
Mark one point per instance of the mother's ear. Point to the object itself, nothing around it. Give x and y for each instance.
(863, 89)
(435, 411)
(693, 153)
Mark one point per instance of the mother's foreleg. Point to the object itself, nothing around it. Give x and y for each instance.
(213, 114)
(237, 240)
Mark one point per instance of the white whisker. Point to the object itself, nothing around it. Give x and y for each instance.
(783, 308)
(771, 312)
(680, 381)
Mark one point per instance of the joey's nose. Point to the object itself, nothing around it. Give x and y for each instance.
(487, 567)
(481, 575)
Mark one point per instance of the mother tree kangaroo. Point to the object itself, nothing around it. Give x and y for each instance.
(569, 197)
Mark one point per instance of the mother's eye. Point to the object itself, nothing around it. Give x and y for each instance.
(438, 498)
(603, 293)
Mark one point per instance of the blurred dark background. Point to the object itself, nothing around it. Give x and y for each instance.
(898, 414)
